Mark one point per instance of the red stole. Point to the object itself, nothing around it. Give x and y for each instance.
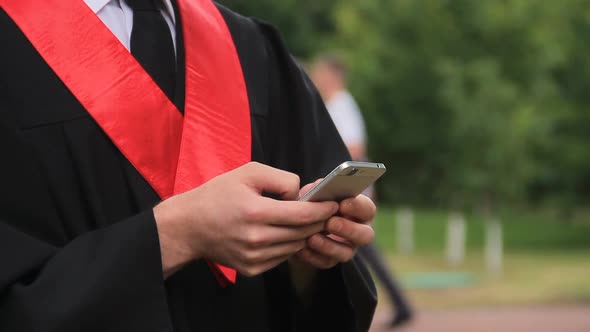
(173, 153)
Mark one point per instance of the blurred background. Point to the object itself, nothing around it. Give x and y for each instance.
(481, 112)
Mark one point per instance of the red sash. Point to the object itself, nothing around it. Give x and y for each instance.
(174, 154)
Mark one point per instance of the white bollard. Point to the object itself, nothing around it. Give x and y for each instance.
(494, 247)
(456, 239)
(405, 231)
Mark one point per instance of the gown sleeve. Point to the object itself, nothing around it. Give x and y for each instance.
(104, 280)
(305, 141)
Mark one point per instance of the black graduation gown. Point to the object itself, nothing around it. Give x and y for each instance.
(79, 248)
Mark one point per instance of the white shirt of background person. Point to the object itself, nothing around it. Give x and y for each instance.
(118, 17)
(348, 119)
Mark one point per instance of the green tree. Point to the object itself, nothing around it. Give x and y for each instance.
(472, 102)
(469, 103)
(304, 23)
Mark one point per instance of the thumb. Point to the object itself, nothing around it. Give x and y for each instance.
(308, 187)
(270, 180)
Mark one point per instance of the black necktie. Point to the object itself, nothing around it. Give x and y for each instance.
(151, 43)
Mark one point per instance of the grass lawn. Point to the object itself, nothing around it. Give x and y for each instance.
(545, 262)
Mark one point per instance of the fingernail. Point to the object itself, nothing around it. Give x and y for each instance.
(347, 204)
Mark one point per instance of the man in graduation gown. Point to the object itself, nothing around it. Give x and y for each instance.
(128, 199)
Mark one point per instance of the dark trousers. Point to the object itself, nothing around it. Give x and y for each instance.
(373, 258)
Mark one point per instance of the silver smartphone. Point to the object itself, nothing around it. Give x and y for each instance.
(347, 180)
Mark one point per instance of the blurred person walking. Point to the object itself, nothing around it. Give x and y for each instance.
(329, 74)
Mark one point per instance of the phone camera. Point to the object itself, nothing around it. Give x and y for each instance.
(353, 171)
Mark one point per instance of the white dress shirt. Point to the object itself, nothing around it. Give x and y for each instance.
(118, 17)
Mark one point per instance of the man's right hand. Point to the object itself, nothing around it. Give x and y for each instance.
(228, 221)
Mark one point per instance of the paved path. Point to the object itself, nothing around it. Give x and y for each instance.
(534, 319)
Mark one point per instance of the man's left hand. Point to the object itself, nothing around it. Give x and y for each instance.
(344, 233)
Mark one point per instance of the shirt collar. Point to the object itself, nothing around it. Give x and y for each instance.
(97, 5)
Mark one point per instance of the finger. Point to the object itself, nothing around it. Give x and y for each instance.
(325, 246)
(264, 254)
(291, 233)
(308, 187)
(316, 260)
(293, 213)
(266, 179)
(358, 234)
(360, 208)
(269, 235)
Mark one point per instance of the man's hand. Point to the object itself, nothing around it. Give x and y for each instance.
(338, 242)
(228, 221)
(343, 234)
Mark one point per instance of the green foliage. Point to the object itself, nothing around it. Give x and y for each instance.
(469, 103)
(305, 23)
